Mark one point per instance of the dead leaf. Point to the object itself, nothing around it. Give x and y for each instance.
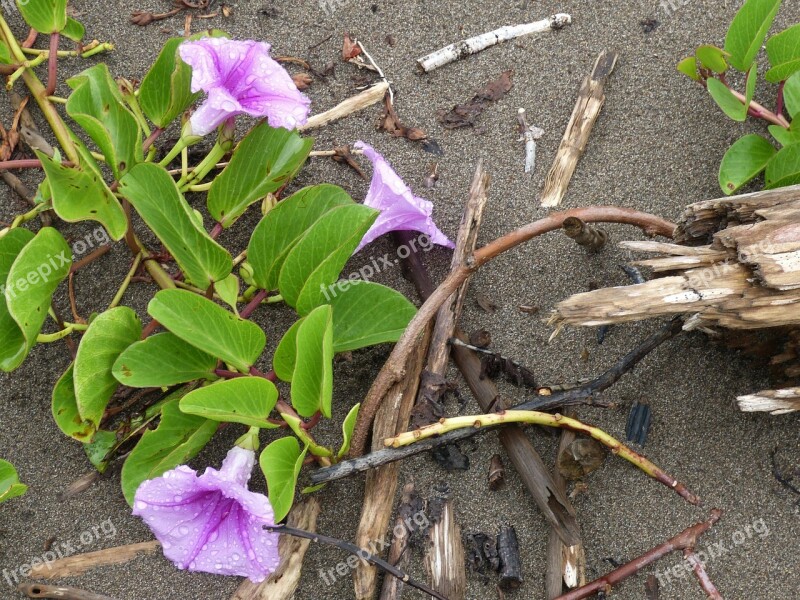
(580, 458)
(485, 303)
(302, 81)
(350, 48)
(391, 124)
(465, 115)
(343, 155)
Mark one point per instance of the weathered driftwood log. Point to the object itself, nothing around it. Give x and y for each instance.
(444, 556)
(736, 266)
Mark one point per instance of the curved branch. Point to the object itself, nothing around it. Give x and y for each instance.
(395, 366)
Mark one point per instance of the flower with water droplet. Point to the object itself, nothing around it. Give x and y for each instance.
(400, 209)
(209, 522)
(241, 77)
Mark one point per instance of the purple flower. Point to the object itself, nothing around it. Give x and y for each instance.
(400, 209)
(241, 77)
(211, 523)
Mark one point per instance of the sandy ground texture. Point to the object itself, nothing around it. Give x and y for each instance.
(656, 147)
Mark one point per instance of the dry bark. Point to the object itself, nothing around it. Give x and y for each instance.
(444, 557)
(587, 109)
(73, 566)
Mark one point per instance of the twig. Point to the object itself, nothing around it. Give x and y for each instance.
(281, 585)
(585, 235)
(355, 550)
(530, 134)
(368, 97)
(686, 539)
(700, 572)
(775, 402)
(73, 566)
(395, 367)
(35, 590)
(590, 101)
(579, 395)
(473, 45)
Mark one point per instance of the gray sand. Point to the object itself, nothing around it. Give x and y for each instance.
(656, 147)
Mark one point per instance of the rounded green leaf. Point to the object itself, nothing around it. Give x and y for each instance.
(366, 313)
(228, 291)
(5, 54)
(209, 327)
(245, 400)
(13, 348)
(725, 99)
(285, 357)
(312, 381)
(281, 462)
(178, 438)
(156, 197)
(64, 406)
(748, 30)
(162, 360)
(99, 449)
(784, 168)
(743, 161)
(79, 194)
(109, 334)
(783, 51)
(45, 16)
(166, 89)
(348, 426)
(688, 66)
(317, 259)
(73, 30)
(713, 58)
(33, 278)
(10, 487)
(791, 98)
(296, 425)
(784, 136)
(263, 162)
(283, 226)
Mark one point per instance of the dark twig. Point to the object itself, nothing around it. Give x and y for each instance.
(355, 550)
(37, 590)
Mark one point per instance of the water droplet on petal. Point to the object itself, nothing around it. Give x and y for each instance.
(183, 530)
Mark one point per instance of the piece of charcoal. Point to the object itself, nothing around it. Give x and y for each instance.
(638, 424)
(451, 458)
(510, 563)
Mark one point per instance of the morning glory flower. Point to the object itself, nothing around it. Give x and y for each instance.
(241, 77)
(212, 522)
(400, 209)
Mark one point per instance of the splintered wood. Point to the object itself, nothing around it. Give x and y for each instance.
(590, 102)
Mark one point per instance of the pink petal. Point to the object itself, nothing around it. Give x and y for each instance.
(400, 209)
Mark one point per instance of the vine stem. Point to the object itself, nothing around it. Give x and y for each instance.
(47, 338)
(760, 112)
(127, 281)
(52, 63)
(395, 367)
(546, 419)
(253, 304)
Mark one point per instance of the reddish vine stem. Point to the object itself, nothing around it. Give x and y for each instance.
(395, 367)
(253, 304)
(700, 572)
(52, 64)
(151, 139)
(687, 539)
(25, 163)
(31, 39)
(215, 231)
(90, 258)
(779, 101)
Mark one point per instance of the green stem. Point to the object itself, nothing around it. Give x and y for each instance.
(203, 187)
(547, 420)
(216, 154)
(126, 282)
(47, 338)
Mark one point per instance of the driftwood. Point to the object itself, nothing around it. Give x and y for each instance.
(590, 102)
(37, 590)
(400, 550)
(282, 584)
(73, 566)
(510, 560)
(444, 556)
(736, 265)
(371, 95)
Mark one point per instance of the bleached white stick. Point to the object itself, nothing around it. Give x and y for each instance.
(453, 52)
(776, 402)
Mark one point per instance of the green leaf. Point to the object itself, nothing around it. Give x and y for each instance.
(284, 225)
(688, 66)
(318, 258)
(73, 30)
(5, 54)
(209, 327)
(713, 58)
(10, 487)
(108, 335)
(158, 200)
(725, 99)
(162, 360)
(65, 409)
(784, 168)
(783, 51)
(34, 276)
(743, 161)
(285, 357)
(228, 290)
(97, 450)
(348, 426)
(750, 87)
(295, 425)
(366, 313)
(79, 194)
(96, 104)
(13, 348)
(312, 381)
(791, 97)
(263, 162)
(166, 89)
(245, 400)
(45, 16)
(748, 31)
(178, 438)
(784, 137)
(281, 462)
